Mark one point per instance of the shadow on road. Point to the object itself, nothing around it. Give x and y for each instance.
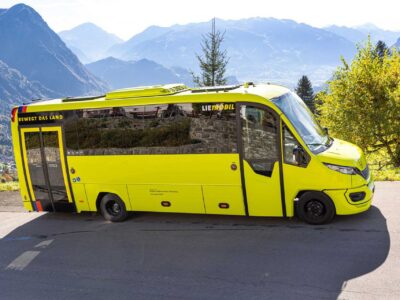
(154, 256)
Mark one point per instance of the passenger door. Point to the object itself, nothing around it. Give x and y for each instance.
(260, 160)
(44, 163)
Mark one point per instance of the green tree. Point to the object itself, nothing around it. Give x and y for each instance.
(362, 103)
(381, 49)
(213, 62)
(305, 91)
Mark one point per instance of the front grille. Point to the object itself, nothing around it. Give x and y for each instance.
(365, 173)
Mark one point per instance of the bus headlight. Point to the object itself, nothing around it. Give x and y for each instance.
(342, 169)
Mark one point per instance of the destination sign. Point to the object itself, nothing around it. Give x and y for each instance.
(40, 118)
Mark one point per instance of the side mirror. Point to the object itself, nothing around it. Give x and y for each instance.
(300, 156)
(326, 130)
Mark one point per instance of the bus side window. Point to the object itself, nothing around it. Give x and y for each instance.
(290, 146)
(259, 139)
(183, 128)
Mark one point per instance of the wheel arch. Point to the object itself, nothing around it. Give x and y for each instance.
(309, 195)
(96, 191)
(101, 195)
(302, 192)
(98, 199)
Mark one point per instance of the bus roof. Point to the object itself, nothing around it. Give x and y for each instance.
(267, 91)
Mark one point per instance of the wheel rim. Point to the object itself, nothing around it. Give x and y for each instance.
(113, 208)
(315, 209)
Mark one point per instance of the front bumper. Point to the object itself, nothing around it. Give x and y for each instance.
(343, 203)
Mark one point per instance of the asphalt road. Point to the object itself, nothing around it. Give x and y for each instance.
(172, 256)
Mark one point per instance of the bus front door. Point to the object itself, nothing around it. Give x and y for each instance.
(260, 152)
(45, 169)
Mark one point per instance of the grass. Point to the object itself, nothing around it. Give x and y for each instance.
(9, 186)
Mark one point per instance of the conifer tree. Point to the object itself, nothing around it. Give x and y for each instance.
(305, 91)
(213, 61)
(381, 49)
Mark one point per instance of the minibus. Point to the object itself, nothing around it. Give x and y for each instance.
(246, 150)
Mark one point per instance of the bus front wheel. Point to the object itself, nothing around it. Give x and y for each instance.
(113, 208)
(315, 208)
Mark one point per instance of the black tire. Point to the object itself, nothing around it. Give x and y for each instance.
(113, 208)
(315, 208)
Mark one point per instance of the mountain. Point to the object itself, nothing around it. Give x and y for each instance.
(88, 41)
(360, 34)
(388, 36)
(183, 75)
(259, 48)
(352, 34)
(16, 88)
(81, 56)
(397, 44)
(31, 47)
(35, 63)
(121, 74)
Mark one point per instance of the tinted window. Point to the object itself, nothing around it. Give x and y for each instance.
(153, 129)
(53, 161)
(35, 166)
(259, 138)
(71, 131)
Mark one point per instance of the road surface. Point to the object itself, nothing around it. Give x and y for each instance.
(177, 256)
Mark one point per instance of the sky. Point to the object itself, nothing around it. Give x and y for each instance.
(126, 18)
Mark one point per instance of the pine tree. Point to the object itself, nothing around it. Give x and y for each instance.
(213, 62)
(305, 91)
(381, 49)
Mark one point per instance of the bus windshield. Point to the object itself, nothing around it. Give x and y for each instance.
(304, 121)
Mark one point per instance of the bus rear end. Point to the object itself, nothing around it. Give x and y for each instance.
(40, 160)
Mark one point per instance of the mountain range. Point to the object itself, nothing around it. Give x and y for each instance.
(265, 49)
(261, 49)
(89, 42)
(360, 33)
(36, 62)
(121, 74)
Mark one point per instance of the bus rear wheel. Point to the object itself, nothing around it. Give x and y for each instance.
(113, 208)
(315, 208)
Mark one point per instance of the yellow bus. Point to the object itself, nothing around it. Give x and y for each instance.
(248, 150)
